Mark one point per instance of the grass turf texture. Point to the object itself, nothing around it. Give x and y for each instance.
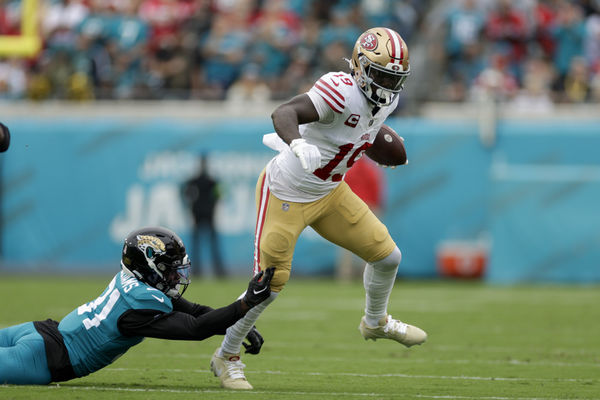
(525, 342)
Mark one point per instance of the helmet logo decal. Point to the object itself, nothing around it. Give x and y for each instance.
(150, 245)
(369, 42)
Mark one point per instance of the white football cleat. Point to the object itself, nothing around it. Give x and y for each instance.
(390, 328)
(230, 370)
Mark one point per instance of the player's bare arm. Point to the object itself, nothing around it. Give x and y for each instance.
(286, 119)
(288, 116)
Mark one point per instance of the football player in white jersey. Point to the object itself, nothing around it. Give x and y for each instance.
(320, 134)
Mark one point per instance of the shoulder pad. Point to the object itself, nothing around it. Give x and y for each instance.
(142, 296)
(335, 88)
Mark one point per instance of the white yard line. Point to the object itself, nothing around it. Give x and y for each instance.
(294, 393)
(201, 356)
(361, 375)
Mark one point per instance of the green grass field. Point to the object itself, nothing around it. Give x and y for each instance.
(526, 342)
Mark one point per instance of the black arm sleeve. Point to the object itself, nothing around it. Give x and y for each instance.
(178, 325)
(188, 307)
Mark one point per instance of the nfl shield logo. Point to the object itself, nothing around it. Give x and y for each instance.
(285, 206)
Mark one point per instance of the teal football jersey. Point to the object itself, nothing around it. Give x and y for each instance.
(90, 332)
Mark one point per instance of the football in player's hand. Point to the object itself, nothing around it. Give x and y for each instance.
(388, 148)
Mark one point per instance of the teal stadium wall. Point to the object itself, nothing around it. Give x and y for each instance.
(73, 188)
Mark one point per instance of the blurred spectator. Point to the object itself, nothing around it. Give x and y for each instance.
(333, 57)
(170, 69)
(507, 30)
(129, 30)
(13, 82)
(543, 20)
(301, 72)
(298, 76)
(62, 15)
(128, 37)
(276, 31)
(250, 89)
(463, 27)
(400, 15)
(95, 50)
(38, 87)
(165, 17)
(496, 81)
(591, 44)
(535, 96)
(340, 28)
(577, 82)
(10, 17)
(57, 68)
(224, 50)
(568, 34)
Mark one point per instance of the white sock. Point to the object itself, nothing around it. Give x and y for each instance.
(378, 279)
(235, 334)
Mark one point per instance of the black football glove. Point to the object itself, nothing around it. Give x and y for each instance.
(4, 137)
(259, 287)
(255, 342)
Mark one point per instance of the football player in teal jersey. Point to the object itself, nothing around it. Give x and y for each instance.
(142, 300)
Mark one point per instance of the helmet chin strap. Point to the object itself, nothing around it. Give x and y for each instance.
(381, 94)
(174, 292)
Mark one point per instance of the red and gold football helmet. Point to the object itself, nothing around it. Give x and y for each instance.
(380, 64)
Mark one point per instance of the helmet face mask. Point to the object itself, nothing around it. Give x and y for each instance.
(380, 65)
(157, 257)
(383, 79)
(176, 276)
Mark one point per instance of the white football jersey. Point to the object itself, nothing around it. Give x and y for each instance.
(346, 128)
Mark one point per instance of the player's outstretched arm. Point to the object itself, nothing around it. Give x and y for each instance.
(179, 325)
(188, 307)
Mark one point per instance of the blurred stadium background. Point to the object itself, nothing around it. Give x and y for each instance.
(111, 102)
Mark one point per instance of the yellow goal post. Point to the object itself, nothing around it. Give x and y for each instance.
(28, 43)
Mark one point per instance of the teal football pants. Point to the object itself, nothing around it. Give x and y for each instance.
(23, 356)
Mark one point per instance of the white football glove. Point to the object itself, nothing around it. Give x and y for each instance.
(308, 154)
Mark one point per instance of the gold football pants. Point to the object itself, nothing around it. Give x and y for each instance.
(340, 217)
